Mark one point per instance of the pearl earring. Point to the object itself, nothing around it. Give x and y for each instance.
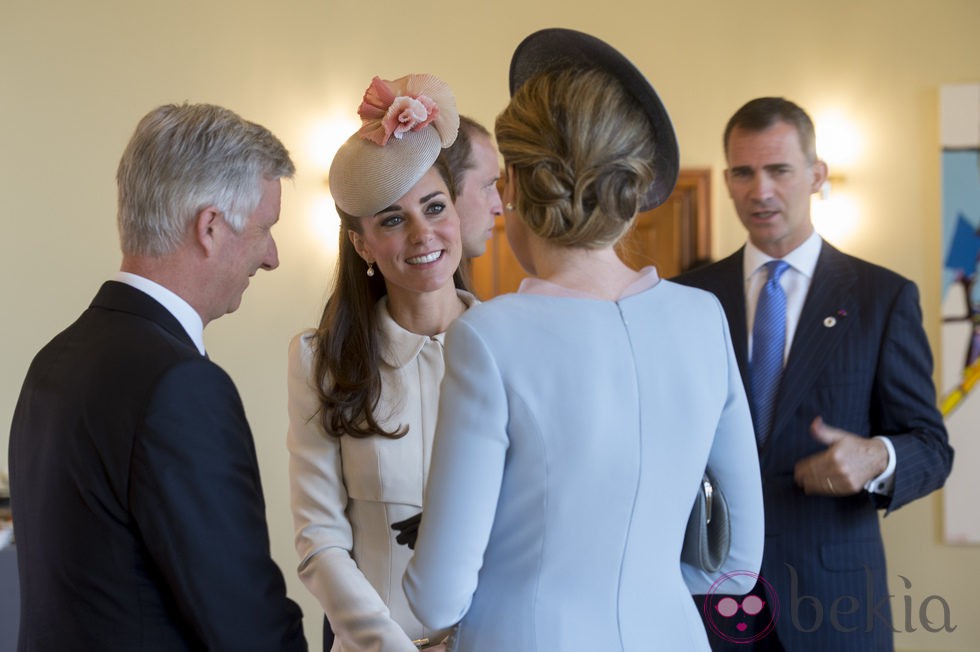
(509, 206)
(370, 269)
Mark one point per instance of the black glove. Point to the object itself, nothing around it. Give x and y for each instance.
(408, 530)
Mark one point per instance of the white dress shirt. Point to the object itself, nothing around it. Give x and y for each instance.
(180, 309)
(795, 282)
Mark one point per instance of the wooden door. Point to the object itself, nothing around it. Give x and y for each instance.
(672, 237)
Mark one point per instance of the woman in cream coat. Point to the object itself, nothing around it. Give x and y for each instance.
(577, 415)
(364, 387)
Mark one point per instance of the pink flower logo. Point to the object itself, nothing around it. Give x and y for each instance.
(740, 619)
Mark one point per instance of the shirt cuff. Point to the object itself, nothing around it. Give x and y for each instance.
(884, 484)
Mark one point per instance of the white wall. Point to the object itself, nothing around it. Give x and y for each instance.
(75, 77)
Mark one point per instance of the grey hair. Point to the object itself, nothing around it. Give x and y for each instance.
(182, 159)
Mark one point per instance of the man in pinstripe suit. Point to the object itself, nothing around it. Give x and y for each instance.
(854, 428)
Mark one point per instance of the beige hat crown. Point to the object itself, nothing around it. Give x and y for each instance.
(405, 124)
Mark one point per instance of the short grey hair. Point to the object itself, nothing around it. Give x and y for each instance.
(182, 159)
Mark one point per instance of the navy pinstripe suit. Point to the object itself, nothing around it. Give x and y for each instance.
(869, 373)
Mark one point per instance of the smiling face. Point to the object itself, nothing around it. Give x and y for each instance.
(770, 182)
(478, 203)
(242, 254)
(415, 242)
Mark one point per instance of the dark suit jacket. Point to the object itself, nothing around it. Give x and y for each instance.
(140, 520)
(859, 359)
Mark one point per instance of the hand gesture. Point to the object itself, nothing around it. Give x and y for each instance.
(847, 464)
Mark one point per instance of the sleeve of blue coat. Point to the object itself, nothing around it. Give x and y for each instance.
(464, 482)
(734, 460)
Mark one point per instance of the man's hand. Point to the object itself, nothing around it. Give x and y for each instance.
(845, 467)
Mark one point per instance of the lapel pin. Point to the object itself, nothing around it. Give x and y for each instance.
(830, 322)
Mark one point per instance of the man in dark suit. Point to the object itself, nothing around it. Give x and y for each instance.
(135, 488)
(852, 426)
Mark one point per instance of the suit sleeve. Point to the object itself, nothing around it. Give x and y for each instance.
(196, 496)
(464, 483)
(904, 404)
(324, 537)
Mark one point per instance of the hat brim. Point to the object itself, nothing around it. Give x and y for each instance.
(365, 178)
(557, 47)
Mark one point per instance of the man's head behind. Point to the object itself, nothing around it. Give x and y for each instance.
(474, 163)
(184, 158)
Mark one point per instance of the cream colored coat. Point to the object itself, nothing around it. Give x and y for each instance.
(346, 492)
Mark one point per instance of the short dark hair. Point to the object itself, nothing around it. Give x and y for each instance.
(763, 112)
(457, 156)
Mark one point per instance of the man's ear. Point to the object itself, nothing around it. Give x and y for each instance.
(205, 225)
(358, 241)
(820, 172)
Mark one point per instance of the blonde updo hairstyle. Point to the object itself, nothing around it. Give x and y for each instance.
(580, 148)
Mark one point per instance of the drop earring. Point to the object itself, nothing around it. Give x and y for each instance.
(370, 269)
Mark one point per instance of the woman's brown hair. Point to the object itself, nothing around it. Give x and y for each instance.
(346, 350)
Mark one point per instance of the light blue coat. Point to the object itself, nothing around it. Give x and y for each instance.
(571, 441)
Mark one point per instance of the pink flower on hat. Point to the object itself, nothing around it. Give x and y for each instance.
(386, 113)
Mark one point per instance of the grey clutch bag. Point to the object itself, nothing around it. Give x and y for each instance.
(708, 535)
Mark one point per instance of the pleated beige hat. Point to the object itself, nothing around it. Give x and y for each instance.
(406, 122)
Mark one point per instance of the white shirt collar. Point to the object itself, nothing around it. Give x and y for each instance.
(180, 309)
(803, 259)
(401, 346)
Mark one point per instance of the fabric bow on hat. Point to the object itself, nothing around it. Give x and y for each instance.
(410, 103)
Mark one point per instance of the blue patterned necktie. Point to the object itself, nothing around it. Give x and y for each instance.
(768, 344)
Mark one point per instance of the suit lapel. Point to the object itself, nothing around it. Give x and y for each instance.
(730, 290)
(829, 311)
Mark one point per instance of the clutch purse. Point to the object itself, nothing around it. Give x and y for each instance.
(708, 535)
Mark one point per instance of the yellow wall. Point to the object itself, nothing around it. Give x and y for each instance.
(75, 77)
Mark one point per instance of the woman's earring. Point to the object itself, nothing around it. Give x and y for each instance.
(370, 269)
(509, 206)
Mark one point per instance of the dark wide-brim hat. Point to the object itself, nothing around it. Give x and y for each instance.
(553, 48)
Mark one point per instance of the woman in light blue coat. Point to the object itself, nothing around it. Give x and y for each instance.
(577, 416)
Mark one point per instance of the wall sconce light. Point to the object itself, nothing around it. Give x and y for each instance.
(839, 144)
(835, 210)
(324, 139)
(832, 181)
